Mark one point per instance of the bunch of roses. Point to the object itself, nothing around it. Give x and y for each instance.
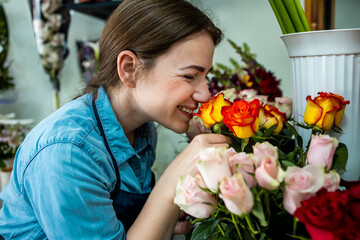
(236, 182)
(231, 175)
(236, 179)
(243, 117)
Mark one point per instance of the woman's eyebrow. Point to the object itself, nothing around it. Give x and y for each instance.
(196, 67)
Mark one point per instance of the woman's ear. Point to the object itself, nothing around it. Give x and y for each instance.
(126, 66)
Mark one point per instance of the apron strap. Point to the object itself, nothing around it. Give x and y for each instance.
(114, 194)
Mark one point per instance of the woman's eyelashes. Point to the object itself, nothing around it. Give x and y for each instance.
(189, 77)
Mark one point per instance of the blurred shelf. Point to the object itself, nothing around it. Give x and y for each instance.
(100, 10)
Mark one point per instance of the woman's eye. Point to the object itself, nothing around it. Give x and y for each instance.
(189, 77)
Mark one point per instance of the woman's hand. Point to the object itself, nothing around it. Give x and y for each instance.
(184, 163)
(183, 225)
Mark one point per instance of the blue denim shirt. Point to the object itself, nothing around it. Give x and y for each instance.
(63, 175)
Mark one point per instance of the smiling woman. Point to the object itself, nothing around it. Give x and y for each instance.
(101, 145)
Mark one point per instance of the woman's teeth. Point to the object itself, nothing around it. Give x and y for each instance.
(184, 109)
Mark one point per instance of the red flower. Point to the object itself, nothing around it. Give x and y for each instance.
(332, 215)
(242, 118)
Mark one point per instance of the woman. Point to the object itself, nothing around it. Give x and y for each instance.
(85, 171)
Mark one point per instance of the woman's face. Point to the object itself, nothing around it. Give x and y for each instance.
(176, 84)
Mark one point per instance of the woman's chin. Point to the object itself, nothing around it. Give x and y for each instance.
(179, 128)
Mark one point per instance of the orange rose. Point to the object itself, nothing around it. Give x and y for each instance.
(242, 118)
(325, 110)
(210, 112)
(269, 116)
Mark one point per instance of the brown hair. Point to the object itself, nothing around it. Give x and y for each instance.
(148, 28)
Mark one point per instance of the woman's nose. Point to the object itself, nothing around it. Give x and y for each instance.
(202, 93)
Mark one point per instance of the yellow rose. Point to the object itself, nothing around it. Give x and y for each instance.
(210, 112)
(269, 116)
(325, 110)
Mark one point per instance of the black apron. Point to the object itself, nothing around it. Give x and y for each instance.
(126, 205)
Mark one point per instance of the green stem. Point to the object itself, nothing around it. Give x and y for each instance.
(278, 17)
(251, 226)
(295, 225)
(284, 16)
(267, 204)
(236, 226)
(221, 230)
(301, 13)
(56, 99)
(294, 16)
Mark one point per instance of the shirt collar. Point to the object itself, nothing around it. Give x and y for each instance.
(118, 143)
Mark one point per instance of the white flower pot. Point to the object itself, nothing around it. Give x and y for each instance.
(329, 61)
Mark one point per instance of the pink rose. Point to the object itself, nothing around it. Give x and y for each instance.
(244, 164)
(193, 200)
(247, 94)
(321, 150)
(263, 99)
(196, 127)
(265, 149)
(301, 184)
(213, 166)
(237, 196)
(269, 173)
(284, 105)
(332, 181)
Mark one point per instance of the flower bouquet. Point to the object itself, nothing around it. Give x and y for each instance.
(250, 78)
(51, 22)
(265, 187)
(12, 134)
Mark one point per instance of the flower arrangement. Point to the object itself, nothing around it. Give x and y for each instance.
(51, 21)
(12, 134)
(250, 76)
(264, 186)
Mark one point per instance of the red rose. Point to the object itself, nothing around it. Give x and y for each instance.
(322, 214)
(242, 118)
(331, 215)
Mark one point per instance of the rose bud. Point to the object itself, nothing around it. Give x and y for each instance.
(192, 199)
(213, 166)
(269, 173)
(236, 195)
(325, 110)
(321, 150)
(301, 184)
(244, 163)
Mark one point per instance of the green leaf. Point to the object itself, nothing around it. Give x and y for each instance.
(205, 229)
(288, 163)
(269, 131)
(258, 211)
(296, 134)
(340, 157)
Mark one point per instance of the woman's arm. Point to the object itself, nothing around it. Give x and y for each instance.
(159, 215)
